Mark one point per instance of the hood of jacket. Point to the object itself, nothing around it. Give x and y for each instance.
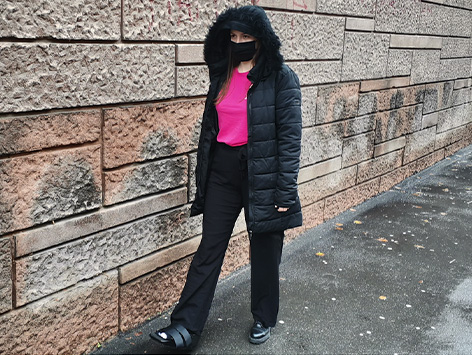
(254, 18)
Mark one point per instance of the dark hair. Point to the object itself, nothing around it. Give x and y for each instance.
(229, 71)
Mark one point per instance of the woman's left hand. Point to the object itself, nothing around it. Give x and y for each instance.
(281, 209)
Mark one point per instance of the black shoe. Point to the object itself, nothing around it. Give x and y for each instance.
(259, 333)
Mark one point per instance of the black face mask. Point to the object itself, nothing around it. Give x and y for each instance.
(242, 52)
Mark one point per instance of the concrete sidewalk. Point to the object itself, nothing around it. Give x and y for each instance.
(396, 277)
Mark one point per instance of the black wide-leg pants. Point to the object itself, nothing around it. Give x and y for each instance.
(227, 194)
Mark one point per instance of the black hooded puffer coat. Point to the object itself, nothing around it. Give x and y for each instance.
(274, 124)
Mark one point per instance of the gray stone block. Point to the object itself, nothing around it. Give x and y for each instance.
(397, 16)
(433, 19)
(336, 102)
(449, 137)
(172, 20)
(360, 24)
(313, 171)
(455, 48)
(365, 56)
(309, 36)
(389, 146)
(357, 149)
(312, 73)
(46, 75)
(425, 66)
(372, 85)
(321, 143)
(454, 117)
(77, 19)
(365, 8)
(309, 94)
(430, 120)
(437, 96)
(399, 62)
(454, 68)
(461, 96)
(189, 53)
(192, 179)
(128, 183)
(65, 231)
(419, 144)
(5, 275)
(192, 80)
(54, 269)
(359, 125)
(379, 166)
(415, 41)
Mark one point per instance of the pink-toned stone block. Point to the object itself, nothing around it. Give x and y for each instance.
(152, 294)
(358, 148)
(336, 102)
(5, 275)
(139, 133)
(68, 322)
(44, 187)
(312, 216)
(429, 160)
(419, 144)
(26, 134)
(351, 197)
(379, 166)
(393, 124)
(393, 178)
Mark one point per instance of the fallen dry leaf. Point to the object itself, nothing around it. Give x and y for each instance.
(339, 224)
(415, 206)
(383, 298)
(425, 221)
(383, 240)
(339, 228)
(446, 190)
(357, 222)
(319, 254)
(418, 246)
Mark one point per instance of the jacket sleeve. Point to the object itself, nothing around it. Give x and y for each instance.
(288, 120)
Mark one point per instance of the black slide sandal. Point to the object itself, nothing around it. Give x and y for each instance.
(176, 336)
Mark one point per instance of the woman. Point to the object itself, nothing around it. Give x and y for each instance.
(248, 157)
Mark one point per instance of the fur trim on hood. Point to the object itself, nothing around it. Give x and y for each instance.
(258, 25)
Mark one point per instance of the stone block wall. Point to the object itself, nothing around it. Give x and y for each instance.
(100, 113)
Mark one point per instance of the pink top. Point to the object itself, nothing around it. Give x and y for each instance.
(232, 111)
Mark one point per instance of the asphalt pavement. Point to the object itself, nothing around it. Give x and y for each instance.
(393, 275)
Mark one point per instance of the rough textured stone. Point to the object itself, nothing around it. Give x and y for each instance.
(454, 68)
(26, 134)
(360, 24)
(312, 73)
(44, 187)
(336, 102)
(78, 19)
(350, 7)
(321, 143)
(455, 48)
(172, 20)
(54, 269)
(313, 171)
(327, 185)
(189, 53)
(454, 117)
(365, 56)
(461, 83)
(139, 133)
(454, 147)
(422, 73)
(192, 179)
(192, 80)
(359, 125)
(47, 75)
(390, 99)
(64, 231)
(460, 97)
(5, 275)
(358, 148)
(395, 123)
(389, 146)
(447, 138)
(158, 260)
(312, 216)
(309, 36)
(69, 322)
(399, 62)
(309, 95)
(379, 166)
(350, 198)
(429, 160)
(433, 19)
(397, 16)
(128, 183)
(152, 294)
(237, 254)
(438, 96)
(419, 144)
(457, 22)
(393, 178)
